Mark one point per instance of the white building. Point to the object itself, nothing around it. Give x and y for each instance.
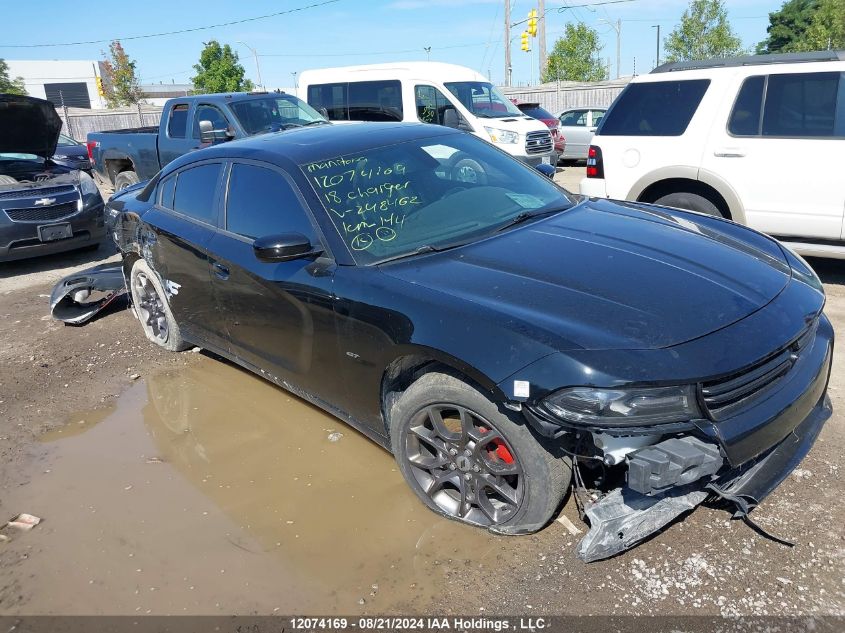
(71, 81)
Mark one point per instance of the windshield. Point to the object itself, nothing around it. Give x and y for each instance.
(427, 194)
(13, 156)
(66, 141)
(274, 113)
(483, 99)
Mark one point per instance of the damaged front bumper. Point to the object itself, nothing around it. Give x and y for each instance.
(740, 457)
(79, 297)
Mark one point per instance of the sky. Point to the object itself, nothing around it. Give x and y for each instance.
(344, 32)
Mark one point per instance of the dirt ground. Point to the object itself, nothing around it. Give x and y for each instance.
(179, 483)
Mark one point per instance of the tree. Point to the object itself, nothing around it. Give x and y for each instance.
(827, 29)
(7, 85)
(119, 80)
(219, 70)
(788, 26)
(575, 56)
(704, 33)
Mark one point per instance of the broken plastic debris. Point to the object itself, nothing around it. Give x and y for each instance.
(134, 376)
(80, 296)
(24, 522)
(334, 437)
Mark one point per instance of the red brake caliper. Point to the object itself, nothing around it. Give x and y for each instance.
(497, 450)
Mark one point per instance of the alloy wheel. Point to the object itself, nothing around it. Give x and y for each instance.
(150, 308)
(464, 465)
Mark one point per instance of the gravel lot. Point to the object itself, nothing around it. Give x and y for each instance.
(177, 483)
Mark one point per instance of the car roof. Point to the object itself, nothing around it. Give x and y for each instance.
(310, 144)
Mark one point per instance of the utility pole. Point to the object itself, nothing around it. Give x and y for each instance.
(427, 50)
(618, 28)
(507, 42)
(257, 67)
(657, 58)
(541, 40)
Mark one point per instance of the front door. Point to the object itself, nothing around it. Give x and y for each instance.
(279, 316)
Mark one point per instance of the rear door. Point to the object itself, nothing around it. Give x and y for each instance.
(781, 146)
(174, 138)
(279, 316)
(175, 237)
(574, 125)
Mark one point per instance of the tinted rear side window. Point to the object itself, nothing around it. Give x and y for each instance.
(195, 190)
(177, 124)
(801, 105)
(537, 113)
(261, 202)
(359, 101)
(166, 189)
(745, 116)
(662, 108)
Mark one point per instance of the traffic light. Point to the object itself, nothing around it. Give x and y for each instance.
(532, 23)
(100, 89)
(525, 45)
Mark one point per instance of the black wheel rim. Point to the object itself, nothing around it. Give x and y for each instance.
(150, 307)
(463, 465)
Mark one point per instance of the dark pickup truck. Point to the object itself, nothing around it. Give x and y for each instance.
(124, 157)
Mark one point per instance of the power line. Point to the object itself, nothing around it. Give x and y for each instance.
(350, 54)
(191, 30)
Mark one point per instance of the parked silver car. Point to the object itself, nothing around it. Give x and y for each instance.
(577, 126)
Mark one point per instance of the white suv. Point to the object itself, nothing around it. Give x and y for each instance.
(759, 140)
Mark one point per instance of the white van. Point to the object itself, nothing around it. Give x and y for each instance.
(428, 92)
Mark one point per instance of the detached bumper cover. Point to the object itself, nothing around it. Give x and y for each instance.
(80, 296)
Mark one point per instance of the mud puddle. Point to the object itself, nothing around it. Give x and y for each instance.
(208, 490)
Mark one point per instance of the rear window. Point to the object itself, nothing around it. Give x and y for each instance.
(801, 105)
(195, 189)
(745, 116)
(537, 113)
(662, 108)
(177, 124)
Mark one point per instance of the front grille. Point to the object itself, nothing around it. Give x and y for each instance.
(36, 192)
(44, 214)
(738, 392)
(538, 143)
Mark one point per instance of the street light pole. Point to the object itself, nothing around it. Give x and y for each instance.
(257, 67)
(295, 84)
(507, 42)
(427, 50)
(657, 58)
(618, 28)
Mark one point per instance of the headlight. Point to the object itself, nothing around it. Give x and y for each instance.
(624, 407)
(87, 185)
(502, 136)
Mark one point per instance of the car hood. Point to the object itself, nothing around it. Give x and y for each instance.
(607, 275)
(28, 126)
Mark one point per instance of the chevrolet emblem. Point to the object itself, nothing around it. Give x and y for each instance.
(44, 202)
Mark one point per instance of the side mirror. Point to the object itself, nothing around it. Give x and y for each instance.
(211, 136)
(283, 247)
(451, 118)
(324, 112)
(547, 170)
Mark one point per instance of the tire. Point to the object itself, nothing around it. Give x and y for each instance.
(690, 202)
(469, 462)
(152, 308)
(125, 179)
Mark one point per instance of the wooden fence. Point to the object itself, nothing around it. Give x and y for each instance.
(556, 97)
(78, 122)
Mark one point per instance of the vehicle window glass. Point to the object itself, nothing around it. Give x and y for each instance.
(177, 124)
(209, 113)
(278, 112)
(598, 115)
(195, 189)
(576, 118)
(658, 108)
(66, 141)
(166, 188)
(332, 97)
(392, 200)
(537, 112)
(745, 116)
(375, 101)
(801, 105)
(431, 104)
(483, 99)
(262, 202)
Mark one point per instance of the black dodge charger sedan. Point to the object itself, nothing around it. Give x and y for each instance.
(501, 337)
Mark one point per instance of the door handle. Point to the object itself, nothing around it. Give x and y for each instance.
(729, 152)
(220, 270)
